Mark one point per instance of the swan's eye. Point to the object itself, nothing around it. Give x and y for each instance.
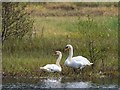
(66, 47)
(55, 52)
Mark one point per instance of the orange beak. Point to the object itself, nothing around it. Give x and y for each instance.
(54, 53)
(66, 48)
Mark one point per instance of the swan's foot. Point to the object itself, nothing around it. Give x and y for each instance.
(77, 71)
(74, 70)
(82, 71)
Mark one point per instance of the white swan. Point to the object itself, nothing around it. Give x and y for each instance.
(54, 67)
(75, 62)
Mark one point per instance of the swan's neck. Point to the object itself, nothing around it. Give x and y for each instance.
(58, 60)
(70, 53)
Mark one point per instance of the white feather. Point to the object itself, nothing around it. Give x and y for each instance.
(54, 67)
(51, 68)
(76, 62)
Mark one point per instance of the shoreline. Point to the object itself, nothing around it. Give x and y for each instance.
(114, 74)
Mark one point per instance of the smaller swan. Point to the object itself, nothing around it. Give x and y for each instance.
(75, 62)
(54, 67)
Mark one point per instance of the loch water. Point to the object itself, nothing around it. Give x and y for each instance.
(32, 83)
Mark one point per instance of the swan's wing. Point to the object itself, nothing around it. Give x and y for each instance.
(52, 67)
(66, 62)
(80, 59)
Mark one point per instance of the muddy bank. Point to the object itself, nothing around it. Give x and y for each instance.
(39, 73)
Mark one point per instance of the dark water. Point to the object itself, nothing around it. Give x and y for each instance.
(29, 83)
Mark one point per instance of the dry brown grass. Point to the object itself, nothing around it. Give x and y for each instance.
(70, 9)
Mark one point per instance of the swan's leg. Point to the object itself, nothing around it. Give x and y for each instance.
(74, 70)
(81, 68)
(78, 71)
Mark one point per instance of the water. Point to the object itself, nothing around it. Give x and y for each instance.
(54, 82)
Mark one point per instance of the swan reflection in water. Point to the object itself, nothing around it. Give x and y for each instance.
(50, 83)
(56, 83)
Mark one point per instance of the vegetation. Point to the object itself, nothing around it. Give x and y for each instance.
(15, 20)
(94, 37)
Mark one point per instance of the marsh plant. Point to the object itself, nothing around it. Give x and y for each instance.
(95, 51)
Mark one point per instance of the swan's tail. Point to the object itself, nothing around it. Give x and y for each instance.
(90, 64)
(42, 68)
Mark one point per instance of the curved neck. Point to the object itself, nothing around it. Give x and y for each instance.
(58, 60)
(70, 53)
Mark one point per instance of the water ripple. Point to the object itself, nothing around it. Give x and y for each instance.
(57, 83)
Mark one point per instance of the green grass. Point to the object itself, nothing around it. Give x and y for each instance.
(28, 54)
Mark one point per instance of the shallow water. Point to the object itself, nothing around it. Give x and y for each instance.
(54, 82)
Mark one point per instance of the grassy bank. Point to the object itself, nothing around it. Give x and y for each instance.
(27, 55)
(94, 37)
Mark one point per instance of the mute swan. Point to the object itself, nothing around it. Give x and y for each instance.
(75, 62)
(54, 67)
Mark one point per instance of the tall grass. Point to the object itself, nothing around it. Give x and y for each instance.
(92, 37)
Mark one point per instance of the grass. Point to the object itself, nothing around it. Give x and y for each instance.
(93, 37)
(73, 9)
